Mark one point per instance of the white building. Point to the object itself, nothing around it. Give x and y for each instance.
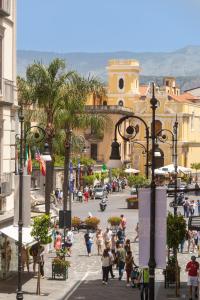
(8, 102)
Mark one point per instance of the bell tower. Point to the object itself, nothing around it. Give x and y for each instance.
(123, 82)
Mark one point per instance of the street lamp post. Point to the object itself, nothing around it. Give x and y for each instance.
(19, 295)
(152, 262)
(22, 140)
(115, 160)
(174, 137)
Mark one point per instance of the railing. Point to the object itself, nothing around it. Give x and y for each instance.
(107, 108)
(7, 91)
(5, 8)
(6, 184)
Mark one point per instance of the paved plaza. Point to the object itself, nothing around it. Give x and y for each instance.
(84, 282)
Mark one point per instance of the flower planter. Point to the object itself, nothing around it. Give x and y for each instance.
(132, 202)
(59, 271)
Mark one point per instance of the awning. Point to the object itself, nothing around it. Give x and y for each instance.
(12, 232)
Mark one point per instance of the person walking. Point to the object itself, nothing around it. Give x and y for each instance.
(86, 196)
(198, 206)
(88, 241)
(137, 232)
(58, 241)
(107, 238)
(99, 241)
(129, 266)
(191, 242)
(25, 258)
(121, 257)
(192, 268)
(123, 223)
(186, 207)
(112, 258)
(144, 284)
(69, 241)
(105, 259)
(80, 196)
(127, 246)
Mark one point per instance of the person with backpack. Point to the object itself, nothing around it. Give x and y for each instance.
(144, 283)
(88, 242)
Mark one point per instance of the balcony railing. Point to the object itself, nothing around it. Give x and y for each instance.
(5, 7)
(7, 91)
(116, 109)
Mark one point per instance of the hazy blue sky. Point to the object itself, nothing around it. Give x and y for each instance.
(107, 25)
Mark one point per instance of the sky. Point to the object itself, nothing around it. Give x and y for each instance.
(107, 25)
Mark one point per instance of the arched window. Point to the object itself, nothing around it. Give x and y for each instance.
(121, 103)
(104, 103)
(121, 83)
(158, 126)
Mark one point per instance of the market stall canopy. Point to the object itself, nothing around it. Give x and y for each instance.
(12, 232)
(130, 170)
(170, 169)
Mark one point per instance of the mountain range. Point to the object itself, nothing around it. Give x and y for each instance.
(184, 64)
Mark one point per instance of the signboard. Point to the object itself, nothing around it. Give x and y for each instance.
(160, 227)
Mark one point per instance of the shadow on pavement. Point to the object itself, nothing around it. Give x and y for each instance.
(169, 292)
(95, 290)
(10, 284)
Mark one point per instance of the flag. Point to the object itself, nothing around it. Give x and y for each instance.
(29, 165)
(104, 168)
(41, 162)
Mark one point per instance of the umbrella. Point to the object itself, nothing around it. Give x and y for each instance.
(170, 169)
(130, 170)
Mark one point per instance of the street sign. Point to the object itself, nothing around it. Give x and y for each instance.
(160, 227)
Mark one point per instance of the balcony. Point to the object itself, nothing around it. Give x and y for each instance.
(108, 109)
(7, 94)
(5, 7)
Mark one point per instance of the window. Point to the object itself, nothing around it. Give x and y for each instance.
(104, 103)
(121, 103)
(1, 63)
(158, 126)
(121, 83)
(93, 151)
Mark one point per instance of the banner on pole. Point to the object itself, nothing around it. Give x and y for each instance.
(160, 227)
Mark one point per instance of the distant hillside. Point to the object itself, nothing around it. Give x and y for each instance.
(183, 64)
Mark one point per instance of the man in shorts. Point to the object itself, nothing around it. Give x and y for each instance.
(69, 241)
(192, 268)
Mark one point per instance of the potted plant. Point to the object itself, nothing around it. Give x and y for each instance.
(176, 233)
(132, 202)
(114, 221)
(92, 223)
(76, 222)
(60, 268)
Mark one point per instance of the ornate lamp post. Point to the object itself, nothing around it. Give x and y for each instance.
(174, 138)
(22, 140)
(115, 161)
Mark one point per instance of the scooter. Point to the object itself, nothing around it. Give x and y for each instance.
(103, 204)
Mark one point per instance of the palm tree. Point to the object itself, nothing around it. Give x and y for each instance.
(195, 166)
(44, 85)
(73, 116)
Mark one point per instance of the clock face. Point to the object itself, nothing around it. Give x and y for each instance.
(121, 83)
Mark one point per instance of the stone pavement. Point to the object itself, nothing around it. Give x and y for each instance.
(85, 272)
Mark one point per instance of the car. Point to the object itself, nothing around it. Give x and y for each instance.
(99, 193)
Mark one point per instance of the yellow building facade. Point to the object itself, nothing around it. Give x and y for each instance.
(125, 96)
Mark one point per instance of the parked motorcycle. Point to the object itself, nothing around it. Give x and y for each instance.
(103, 204)
(179, 200)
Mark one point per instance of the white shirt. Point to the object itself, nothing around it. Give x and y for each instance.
(70, 237)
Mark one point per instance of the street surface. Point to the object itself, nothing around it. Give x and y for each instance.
(85, 276)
